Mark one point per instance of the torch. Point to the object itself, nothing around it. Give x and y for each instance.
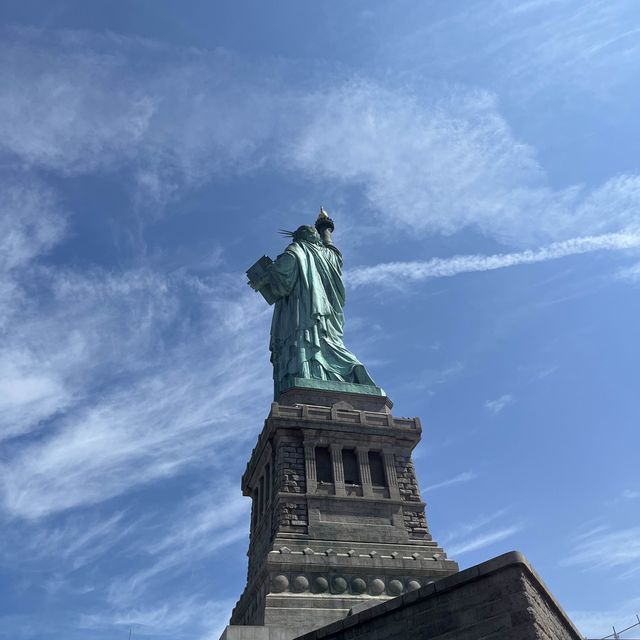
(324, 226)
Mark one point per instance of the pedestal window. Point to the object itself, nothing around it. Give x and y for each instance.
(376, 467)
(324, 469)
(350, 466)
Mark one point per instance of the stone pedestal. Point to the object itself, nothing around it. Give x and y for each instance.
(337, 517)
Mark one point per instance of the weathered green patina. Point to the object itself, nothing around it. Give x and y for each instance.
(308, 320)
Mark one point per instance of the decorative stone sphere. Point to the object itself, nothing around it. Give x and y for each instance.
(395, 587)
(376, 587)
(358, 585)
(339, 584)
(320, 584)
(412, 585)
(279, 583)
(300, 583)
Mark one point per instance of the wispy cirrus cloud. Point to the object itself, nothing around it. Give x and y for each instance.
(534, 46)
(430, 378)
(630, 274)
(477, 534)
(393, 273)
(171, 617)
(39, 227)
(574, 43)
(461, 478)
(207, 522)
(425, 162)
(120, 380)
(600, 623)
(31, 223)
(482, 540)
(444, 164)
(76, 541)
(163, 405)
(103, 103)
(497, 405)
(125, 376)
(622, 545)
(121, 561)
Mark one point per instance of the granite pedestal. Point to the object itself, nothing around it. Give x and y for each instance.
(337, 518)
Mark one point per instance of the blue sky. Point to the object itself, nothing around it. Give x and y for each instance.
(480, 159)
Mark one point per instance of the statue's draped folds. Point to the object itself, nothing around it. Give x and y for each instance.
(308, 320)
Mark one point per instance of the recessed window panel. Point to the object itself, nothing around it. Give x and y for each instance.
(350, 465)
(376, 468)
(324, 469)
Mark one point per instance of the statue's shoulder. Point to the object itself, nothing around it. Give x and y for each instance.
(334, 249)
(294, 249)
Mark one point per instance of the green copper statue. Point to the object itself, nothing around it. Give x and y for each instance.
(305, 283)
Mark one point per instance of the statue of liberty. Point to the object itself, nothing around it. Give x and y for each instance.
(305, 283)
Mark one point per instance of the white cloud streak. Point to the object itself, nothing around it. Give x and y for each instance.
(31, 223)
(461, 478)
(78, 103)
(497, 405)
(167, 405)
(466, 529)
(154, 548)
(126, 376)
(205, 524)
(475, 535)
(78, 540)
(173, 118)
(529, 47)
(392, 273)
(622, 550)
(630, 274)
(483, 540)
(191, 616)
(599, 624)
(439, 166)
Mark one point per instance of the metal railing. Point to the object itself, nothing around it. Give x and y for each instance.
(616, 633)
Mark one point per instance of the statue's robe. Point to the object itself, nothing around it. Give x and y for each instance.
(308, 320)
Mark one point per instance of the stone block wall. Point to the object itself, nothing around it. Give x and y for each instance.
(250, 611)
(407, 481)
(259, 544)
(415, 523)
(502, 599)
(292, 517)
(290, 476)
(280, 514)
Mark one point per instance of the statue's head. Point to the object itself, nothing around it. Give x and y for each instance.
(304, 233)
(307, 233)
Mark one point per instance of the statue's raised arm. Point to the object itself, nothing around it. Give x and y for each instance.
(305, 283)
